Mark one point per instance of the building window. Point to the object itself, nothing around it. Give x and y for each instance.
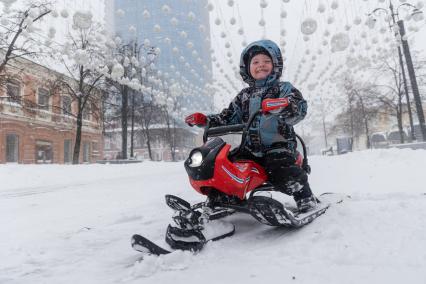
(14, 91)
(66, 105)
(43, 99)
(67, 151)
(44, 152)
(12, 148)
(95, 149)
(86, 152)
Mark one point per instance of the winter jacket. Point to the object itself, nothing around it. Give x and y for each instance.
(269, 132)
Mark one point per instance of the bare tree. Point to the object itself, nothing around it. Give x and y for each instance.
(17, 37)
(362, 98)
(391, 91)
(146, 115)
(169, 111)
(86, 54)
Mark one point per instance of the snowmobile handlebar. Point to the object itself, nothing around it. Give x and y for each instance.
(228, 129)
(221, 130)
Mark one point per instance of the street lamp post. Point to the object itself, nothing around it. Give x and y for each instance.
(404, 78)
(413, 80)
(401, 30)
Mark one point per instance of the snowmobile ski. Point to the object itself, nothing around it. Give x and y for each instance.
(142, 244)
(272, 212)
(183, 239)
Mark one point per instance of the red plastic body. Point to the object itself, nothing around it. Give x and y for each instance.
(235, 179)
(232, 178)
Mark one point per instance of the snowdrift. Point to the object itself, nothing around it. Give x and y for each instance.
(72, 224)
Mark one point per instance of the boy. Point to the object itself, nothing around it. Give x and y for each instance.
(271, 141)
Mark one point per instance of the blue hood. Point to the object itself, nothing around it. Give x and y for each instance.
(273, 50)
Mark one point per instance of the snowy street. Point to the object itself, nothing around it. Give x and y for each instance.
(72, 224)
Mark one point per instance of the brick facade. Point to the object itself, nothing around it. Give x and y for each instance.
(34, 133)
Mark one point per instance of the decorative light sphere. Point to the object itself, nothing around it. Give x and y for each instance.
(357, 21)
(174, 21)
(230, 3)
(157, 28)
(210, 6)
(321, 8)
(166, 9)
(340, 41)
(191, 16)
(283, 14)
(371, 22)
(120, 13)
(263, 4)
(262, 22)
(217, 21)
(146, 14)
(334, 5)
(64, 13)
(232, 21)
(309, 26)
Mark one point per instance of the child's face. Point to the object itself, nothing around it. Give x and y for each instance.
(261, 66)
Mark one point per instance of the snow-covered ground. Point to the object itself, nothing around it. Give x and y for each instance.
(72, 224)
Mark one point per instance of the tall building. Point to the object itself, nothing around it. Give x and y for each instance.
(181, 29)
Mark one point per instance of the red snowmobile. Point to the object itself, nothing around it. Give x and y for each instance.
(231, 185)
(215, 170)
